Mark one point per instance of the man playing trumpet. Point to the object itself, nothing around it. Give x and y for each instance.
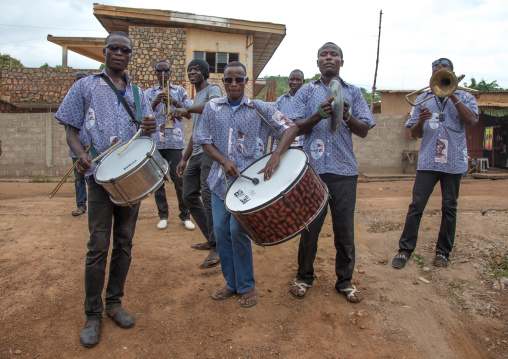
(170, 142)
(441, 122)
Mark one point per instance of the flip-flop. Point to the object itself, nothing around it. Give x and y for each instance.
(245, 297)
(222, 294)
(208, 260)
(201, 246)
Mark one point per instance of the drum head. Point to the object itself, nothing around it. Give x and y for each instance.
(243, 195)
(114, 166)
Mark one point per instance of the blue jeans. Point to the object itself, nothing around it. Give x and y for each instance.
(234, 248)
(80, 186)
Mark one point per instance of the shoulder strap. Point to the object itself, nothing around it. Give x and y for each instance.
(135, 92)
(263, 117)
(121, 98)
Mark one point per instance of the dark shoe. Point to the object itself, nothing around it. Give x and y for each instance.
(400, 259)
(120, 317)
(79, 211)
(440, 260)
(91, 333)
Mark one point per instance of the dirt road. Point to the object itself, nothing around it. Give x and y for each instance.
(460, 313)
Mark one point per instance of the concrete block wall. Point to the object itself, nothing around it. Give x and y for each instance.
(381, 151)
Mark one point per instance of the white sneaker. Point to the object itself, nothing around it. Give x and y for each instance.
(162, 224)
(189, 225)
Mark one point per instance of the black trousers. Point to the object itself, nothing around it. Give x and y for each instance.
(425, 182)
(197, 196)
(173, 157)
(104, 216)
(342, 206)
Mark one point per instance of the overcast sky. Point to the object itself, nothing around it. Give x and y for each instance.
(469, 32)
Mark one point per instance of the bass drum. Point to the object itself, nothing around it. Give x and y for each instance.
(277, 210)
(132, 176)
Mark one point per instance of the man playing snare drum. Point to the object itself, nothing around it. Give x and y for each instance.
(234, 136)
(92, 104)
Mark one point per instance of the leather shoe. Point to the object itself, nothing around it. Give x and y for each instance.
(121, 318)
(91, 333)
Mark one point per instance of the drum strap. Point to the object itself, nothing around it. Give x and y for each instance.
(135, 93)
(263, 117)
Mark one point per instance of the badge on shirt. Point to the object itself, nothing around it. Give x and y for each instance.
(317, 148)
(441, 155)
(434, 121)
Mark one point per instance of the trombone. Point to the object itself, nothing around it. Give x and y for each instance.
(166, 109)
(443, 83)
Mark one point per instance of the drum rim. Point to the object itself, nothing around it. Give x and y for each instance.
(132, 170)
(287, 189)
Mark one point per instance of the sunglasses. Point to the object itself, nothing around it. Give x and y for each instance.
(443, 62)
(123, 50)
(238, 80)
(165, 70)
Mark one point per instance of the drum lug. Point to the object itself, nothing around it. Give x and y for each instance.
(294, 210)
(117, 189)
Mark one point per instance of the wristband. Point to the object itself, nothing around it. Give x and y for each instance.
(348, 116)
(456, 103)
(187, 108)
(322, 113)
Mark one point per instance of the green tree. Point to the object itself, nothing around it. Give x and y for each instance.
(45, 66)
(483, 85)
(7, 60)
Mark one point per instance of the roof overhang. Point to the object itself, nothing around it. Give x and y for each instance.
(90, 47)
(266, 37)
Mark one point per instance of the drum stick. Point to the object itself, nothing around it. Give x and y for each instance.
(130, 141)
(254, 180)
(106, 152)
(66, 176)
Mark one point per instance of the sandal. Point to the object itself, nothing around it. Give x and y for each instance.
(211, 261)
(350, 293)
(201, 246)
(223, 293)
(302, 288)
(246, 296)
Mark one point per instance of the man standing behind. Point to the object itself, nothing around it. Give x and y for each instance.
(333, 158)
(234, 135)
(196, 172)
(441, 122)
(79, 179)
(92, 103)
(283, 103)
(169, 143)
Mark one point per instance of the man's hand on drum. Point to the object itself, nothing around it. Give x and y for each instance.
(149, 125)
(182, 165)
(271, 166)
(231, 168)
(84, 163)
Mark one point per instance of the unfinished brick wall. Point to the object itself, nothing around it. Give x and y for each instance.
(152, 44)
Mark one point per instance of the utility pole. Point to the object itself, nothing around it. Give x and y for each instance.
(377, 62)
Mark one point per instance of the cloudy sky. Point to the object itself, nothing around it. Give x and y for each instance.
(469, 32)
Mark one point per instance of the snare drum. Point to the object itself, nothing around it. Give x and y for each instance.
(276, 210)
(132, 176)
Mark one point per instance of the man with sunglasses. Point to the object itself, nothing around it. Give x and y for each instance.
(441, 122)
(169, 142)
(234, 135)
(333, 158)
(92, 103)
(195, 173)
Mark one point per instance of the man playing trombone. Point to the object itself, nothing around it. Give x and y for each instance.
(441, 122)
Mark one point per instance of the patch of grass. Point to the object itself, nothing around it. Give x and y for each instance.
(41, 179)
(497, 266)
(457, 285)
(418, 258)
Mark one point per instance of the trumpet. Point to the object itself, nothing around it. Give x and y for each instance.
(443, 83)
(166, 109)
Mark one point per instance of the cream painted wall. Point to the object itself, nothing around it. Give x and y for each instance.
(212, 41)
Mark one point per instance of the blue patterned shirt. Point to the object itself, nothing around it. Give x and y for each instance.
(330, 153)
(283, 104)
(239, 134)
(84, 141)
(172, 139)
(443, 146)
(91, 104)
